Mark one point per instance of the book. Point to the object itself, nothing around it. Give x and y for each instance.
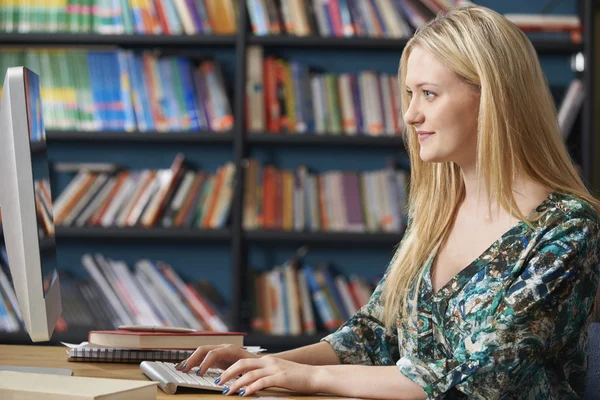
(113, 355)
(126, 339)
(25, 385)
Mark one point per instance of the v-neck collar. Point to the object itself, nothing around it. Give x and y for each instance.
(463, 276)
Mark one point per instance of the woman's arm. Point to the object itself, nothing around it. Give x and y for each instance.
(315, 354)
(364, 381)
(385, 382)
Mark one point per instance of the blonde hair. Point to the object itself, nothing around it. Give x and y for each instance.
(517, 132)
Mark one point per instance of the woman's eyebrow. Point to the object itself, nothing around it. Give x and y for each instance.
(422, 84)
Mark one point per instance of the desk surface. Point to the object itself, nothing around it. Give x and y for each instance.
(56, 357)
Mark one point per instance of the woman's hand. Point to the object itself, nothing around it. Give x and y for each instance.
(217, 356)
(260, 373)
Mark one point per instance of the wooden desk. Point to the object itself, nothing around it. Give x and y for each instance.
(56, 357)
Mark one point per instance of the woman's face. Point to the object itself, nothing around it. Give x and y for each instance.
(443, 109)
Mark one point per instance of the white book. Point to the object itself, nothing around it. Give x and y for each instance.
(65, 196)
(139, 178)
(30, 386)
(140, 205)
(85, 199)
(98, 200)
(118, 201)
(293, 308)
(146, 314)
(149, 291)
(90, 265)
(318, 104)
(173, 296)
(388, 109)
(185, 17)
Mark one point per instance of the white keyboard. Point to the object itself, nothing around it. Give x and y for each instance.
(169, 379)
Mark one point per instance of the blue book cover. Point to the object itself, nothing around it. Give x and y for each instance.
(319, 298)
(96, 83)
(191, 103)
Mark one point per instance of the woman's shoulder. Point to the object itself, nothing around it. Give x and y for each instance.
(566, 209)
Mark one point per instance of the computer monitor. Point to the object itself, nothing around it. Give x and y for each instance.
(26, 203)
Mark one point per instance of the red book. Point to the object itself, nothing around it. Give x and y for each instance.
(162, 339)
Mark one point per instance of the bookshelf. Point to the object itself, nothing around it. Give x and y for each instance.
(237, 240)
(203, 137)
(552, 46)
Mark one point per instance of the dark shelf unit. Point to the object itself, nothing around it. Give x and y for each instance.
(85, 39)
(143, 137)
(324, 238)
(242, 142)
(542, 45)
(143, 233)
(312, 139)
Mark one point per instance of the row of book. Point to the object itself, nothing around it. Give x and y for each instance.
(298, 298)
(174, 197)
(342, 18)
(95, 90)
(374, 18)
(336, 201)
(121, 16)
(150, 293)
(287, 97)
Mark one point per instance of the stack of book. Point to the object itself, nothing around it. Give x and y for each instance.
(298, 298)
(343, 18)
(336, 201)
(287, 97)
(138, 343)
(156, 17)
(175, 197)
(151, 293)
(120, 90)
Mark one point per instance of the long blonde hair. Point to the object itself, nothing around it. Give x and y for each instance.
(517, 132)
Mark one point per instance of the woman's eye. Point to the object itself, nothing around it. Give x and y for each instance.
(428, 94)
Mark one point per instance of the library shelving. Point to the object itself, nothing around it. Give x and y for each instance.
(235, 238)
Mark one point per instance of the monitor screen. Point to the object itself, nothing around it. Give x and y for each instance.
(41, 178)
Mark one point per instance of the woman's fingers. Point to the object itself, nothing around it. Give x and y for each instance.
(240, 367)
(247, 379)
(260, 384)
(195, 359)
(210, 359)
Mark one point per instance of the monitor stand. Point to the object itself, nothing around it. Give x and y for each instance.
(37, 370)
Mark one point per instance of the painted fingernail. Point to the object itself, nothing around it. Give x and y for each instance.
(217, 381)
(243, 392)
(226, 391)
(198, 372)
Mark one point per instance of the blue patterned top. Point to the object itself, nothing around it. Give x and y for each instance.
(512, 324)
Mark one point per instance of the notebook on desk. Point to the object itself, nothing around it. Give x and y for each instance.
(114, 355)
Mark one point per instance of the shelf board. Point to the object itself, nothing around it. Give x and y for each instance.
(22, 338)
(277, 343)
(327, 42)
(327, 238)
(142, 233)
(542, 45)
(77, 39)
(149, 137)
(324, 140)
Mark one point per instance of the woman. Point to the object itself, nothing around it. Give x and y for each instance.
(490, 293)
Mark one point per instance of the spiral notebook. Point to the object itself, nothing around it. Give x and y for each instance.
(113, 355)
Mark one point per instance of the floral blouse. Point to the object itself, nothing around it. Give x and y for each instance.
(512, 324)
